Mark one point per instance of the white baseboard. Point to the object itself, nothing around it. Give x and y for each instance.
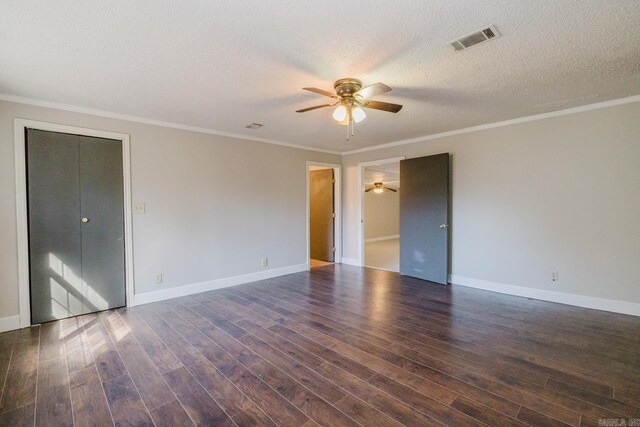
(351, 261)
(196, 288)
(379, 239)
(615, 306)
(9, 323)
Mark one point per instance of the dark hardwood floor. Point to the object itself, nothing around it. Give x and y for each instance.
(335, 346)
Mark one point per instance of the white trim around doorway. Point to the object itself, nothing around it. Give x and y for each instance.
(337, 208)
(21, 206)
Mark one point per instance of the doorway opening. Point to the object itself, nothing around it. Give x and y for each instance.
(323, 214)
(382, 216)
(424, 215)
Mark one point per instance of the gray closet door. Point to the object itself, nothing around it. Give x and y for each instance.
(102, 204)
(321, 218)
(54, 226)
(76, 267)
(424, 213)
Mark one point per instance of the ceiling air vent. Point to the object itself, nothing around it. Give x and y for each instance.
(483, 35)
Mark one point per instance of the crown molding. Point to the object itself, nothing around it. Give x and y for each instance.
(144, 120)
(573, 110)
(147, 121)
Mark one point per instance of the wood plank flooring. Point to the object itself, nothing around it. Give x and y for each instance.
(336, 346)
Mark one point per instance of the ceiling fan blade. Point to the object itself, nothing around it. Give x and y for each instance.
(373, 90)
(313, 108)
(321, 92)
(390, 189)
(369, 189)
(384, 106)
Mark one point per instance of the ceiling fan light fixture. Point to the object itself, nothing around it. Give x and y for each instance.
(340, 113)
(378, 188)
(358, 114)
(353, 98)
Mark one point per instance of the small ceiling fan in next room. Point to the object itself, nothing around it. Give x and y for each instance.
(379, 188)
(350, 98)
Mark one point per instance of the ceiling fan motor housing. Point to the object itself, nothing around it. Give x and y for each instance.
(347, 87)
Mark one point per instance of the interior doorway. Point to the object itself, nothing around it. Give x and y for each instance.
(382, 216)
(323, 214)
(424, 215)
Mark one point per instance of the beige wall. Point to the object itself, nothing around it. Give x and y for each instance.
(381, 214)
(557, 194)
(215, 206)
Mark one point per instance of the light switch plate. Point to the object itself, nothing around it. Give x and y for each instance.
(138, 208)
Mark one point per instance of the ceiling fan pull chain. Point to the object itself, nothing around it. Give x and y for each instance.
(351, 121)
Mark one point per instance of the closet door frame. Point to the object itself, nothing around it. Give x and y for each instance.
(20, 126)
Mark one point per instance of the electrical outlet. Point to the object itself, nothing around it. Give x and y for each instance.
(554, 276)
(265, 262)
(159, 278)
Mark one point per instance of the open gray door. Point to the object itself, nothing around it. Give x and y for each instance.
(321, 215)
(424, 213)
(76, 224)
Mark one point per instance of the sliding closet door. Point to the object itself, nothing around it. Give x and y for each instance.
(76, 231)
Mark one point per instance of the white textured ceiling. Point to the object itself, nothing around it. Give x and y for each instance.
(222, 65)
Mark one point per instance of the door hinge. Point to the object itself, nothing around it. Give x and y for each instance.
(333, 215)
(333, 181)
(334, 249)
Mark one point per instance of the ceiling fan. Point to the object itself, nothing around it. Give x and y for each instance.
(351, 97)
(379, 188)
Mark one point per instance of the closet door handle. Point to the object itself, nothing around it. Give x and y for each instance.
(85, 219)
